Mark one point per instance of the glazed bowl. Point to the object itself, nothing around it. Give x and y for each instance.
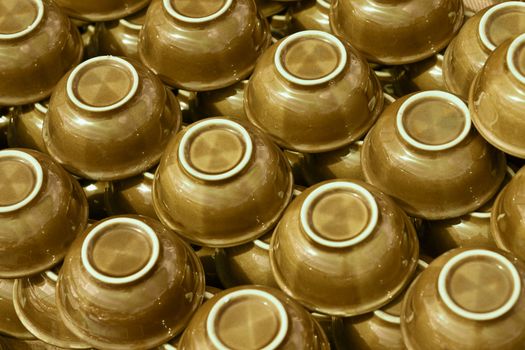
(10, 325)
(252, 317)
(42, 211)
(311, 15)
(425, 75)
(354, 243)
(38, 45)
(35, 304)
(269, 8)
(110, 118)
(101, 10)
(129, 283)
(497, 97)
(474, 6)
(311, 93)
(461, 292)
(95, 192)
(198, 45)
(479, 36)
(424, 153)
(226, 101)
(25, 126)
(221, 182)
(402, 31)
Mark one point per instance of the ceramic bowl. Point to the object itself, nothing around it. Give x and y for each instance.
(311, 15)
(38, 45)
(25, 126)
(95, 192)
(110, 118)
(481, 34)
(269, 8)
(474, 6)
(226, 101)
(35, 304)
(42, 211)
(311, 93)
(221, 182)
(207, 257)
(101, 10)
(353, 241)
(424, 153)
(425, 75)
(461, 292)
(252, 317)
(129, 283)
(497, 97)
(402, 31)
(201, 45)
(10, 325)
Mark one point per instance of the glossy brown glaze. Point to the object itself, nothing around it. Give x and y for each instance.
(231, 185)
(25, 127)
(95, 192)
(313, 93)
(42, 210)
(207, 257)
(180, 42)
(110, 119)
(461, 292)
(402, 32)
(479, 36)
(38, 45)
(4, 126)
(35, 305)
(251, 321)
(269, 7)
(101, 10)
(343, 256)
(227, 101)
(426, 74)
(441, 168)
(131, 196)
(143, 304)
(10, 325)
(7, 343)
(311, 14)
(497, 97)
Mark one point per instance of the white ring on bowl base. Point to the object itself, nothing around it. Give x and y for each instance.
(155, 251)
(130, 25)
(389, 97)
(212, 316)
(51, 275)
(167, 5)
(206, 124)
(41, 108)
(168, 347)
(479, 316)
(39, 178)
(482, 27)
(440, 95)
(261, 244)
(343, 57)
(31, 27)
(367, 231)
(520, 40)
(132, 91)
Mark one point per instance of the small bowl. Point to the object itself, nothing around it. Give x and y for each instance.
(101, 10)
(95, 192)
(425, 75)
(42, 211)
(38, 45)
(313, 93)
(198, 45)
(461, 292)
(120, 37)
(131, 196)
(497, 98)
(102, 129)
(424, 153)
(402, 31)
(479, 36)
(269, 8)
(252, 317)
(311, 15)
(35, 305)
(373, 252)
(226, 101)
(221, 182)
(25, 127)
(10, 324)
(129, 283)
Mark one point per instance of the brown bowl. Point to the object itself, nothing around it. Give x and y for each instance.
(42, 210)
(269, 8)
(313, 93)
(402, 31)
(424, 153)
(35, 305)
(252, 317)
(311, 14)
(129, 283)
(207, 257)
(340, 264)
(221, 182)
(38, 45)
(425, 75)
(95, 192)
(25, 127)
(110, 118)
(10, 325)
(101, 10)
(199, 45)
(226, 101)
(479, 36)
(496, 98)
(462, 292)
(474, 6)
